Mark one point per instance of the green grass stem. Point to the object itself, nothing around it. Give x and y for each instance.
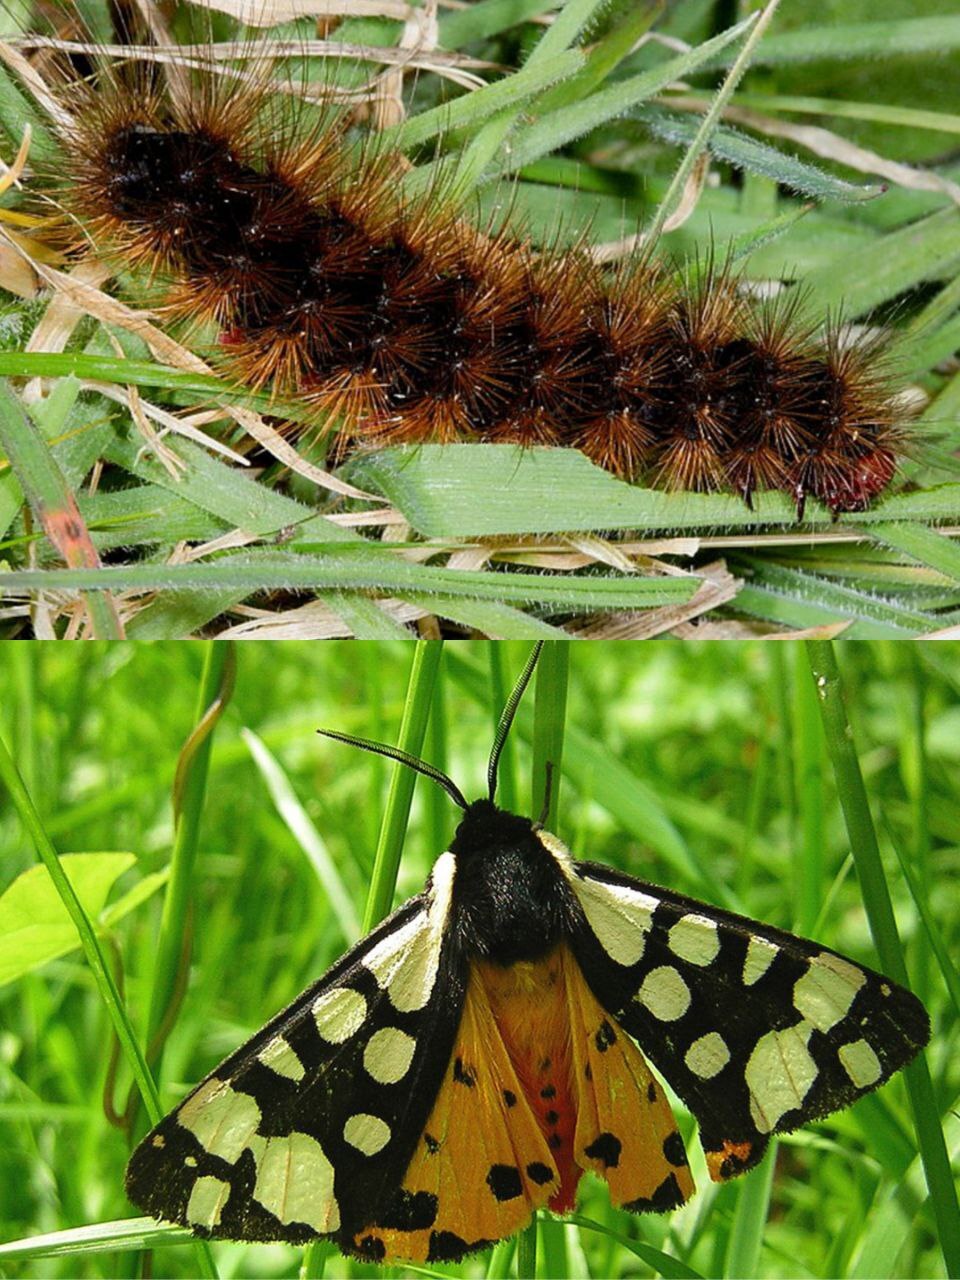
(745, 1243)
(413, 728)
(549, 717)
(876, 897)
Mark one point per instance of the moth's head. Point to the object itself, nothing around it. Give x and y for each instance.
(485, 829)
(482, 816)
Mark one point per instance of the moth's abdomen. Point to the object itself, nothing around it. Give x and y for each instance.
(405, 325)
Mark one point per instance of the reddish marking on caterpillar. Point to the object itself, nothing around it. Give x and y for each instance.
(404, 324)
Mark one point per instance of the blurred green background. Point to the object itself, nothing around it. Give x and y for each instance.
(699, 766)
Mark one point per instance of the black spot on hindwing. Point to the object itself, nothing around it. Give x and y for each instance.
(667, 1196)
(446, 1246)
(504, 1181)
(605, 1037)
(409, 1211)
(606, 1147)
(463, 1075)
(673, 1149)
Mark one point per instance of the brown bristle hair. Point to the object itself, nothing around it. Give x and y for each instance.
(401, 323)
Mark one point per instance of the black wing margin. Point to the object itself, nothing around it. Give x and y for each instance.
(758, 1031)
(307, 1129)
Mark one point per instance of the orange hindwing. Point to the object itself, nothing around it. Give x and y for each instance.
(541, 1086)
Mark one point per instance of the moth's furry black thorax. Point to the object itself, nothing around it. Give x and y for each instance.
(510, 901)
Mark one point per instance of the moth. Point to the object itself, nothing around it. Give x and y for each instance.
(469, 1059)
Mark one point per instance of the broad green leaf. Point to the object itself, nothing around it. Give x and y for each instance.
(490, 490)
(34, 924)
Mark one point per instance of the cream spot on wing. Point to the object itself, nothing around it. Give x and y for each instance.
(206, 1202)
(190, 1161)
(620, 917)
(694, 939)
(760, 956)
(295, 1181)
(779, 1074)
(221, 1119)
(388, 1055)
(405, 961)
(860, 1063)
(281, 1058)
(367, 1133)
(824, 994)
(708, 1055)
(339, 1014)
(664, 993)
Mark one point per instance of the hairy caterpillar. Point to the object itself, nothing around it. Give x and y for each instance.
(395, 321)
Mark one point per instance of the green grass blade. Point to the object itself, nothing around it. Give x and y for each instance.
(926, 546)
(948, 970)
(901, 260)
(710, 120)
(751, 156)
(413, 728)
(565, 124)
(101, 1237)
(749, 1219)
(559, 490)
(510, 93)
(298, 822)
(808, 765)
(876, 897)
(897, 38)
(268, 571)
(487, 18)
(501, 1256)
(879, 112)
(488, 141)
(527, 1252)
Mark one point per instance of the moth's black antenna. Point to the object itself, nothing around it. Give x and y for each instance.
(506, 719)
(402, 757)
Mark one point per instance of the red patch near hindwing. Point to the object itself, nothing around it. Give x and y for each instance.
(529, 1004)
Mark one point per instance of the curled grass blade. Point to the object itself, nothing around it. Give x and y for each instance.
(662, 1263)
(189, 791)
